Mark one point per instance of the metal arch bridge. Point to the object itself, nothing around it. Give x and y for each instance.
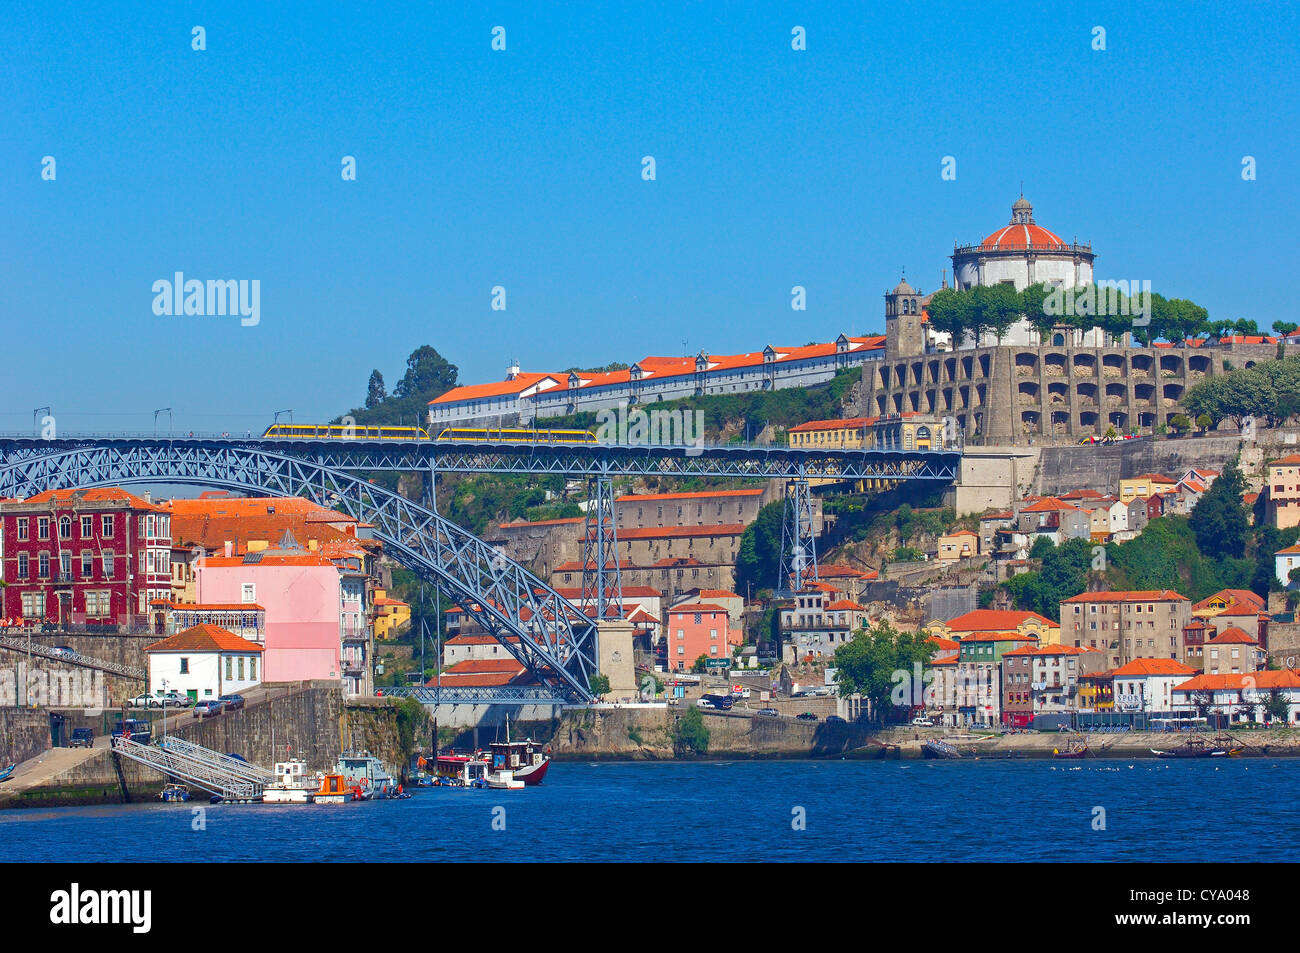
(493, 456)
(555, 640)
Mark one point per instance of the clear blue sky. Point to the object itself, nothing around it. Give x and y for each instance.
(522, 168)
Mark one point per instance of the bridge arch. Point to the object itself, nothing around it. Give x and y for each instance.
(556, 641)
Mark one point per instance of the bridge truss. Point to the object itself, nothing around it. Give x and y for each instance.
(555, 641)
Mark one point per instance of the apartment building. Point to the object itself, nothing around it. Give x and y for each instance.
(1127, 625)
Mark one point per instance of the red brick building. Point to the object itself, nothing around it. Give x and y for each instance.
(97, 556)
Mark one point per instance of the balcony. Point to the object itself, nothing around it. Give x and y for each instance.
(351, 634)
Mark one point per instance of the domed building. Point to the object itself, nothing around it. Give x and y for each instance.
(1022, 253)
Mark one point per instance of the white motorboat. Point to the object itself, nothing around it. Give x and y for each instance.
(292, 784)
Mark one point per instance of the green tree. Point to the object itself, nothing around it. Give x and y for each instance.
(428, 375)
(599, 684)
(1278, 706)
(879, 660)
(950, 312)
(375, 393)
(1219, 520)
(1284, 328)
(700, 665)
(690, 733)
(996, 308)
(1032, 302)
(1042, 546)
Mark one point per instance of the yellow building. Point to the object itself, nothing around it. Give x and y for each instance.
(1146, 485)
(391, 615)
(1011, 622)
(909, 430)
(851, 433)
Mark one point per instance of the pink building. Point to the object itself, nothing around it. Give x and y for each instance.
(695, 629)
(302, 595)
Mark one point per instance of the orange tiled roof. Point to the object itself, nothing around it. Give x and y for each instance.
(1232, 636)
(995, 620)
(1265, 681)
(675, 532)
(521, 383)
(560, 522)
(999, 637)
(1153, 666)
(695, 607)
(845, 423)
(1130, 595)
(104, 494)
(204, 638)
(1291, 461)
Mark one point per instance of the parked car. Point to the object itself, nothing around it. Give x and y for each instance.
(806, 716)
(232, 702)
(81, 738)
(704, 703)
(62, 650)
(144, 700)
(208, 707)
(835, 720)
(768, 711)
(175, 699)
(920, 722)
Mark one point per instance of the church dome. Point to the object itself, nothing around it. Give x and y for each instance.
(1022, 232)
(903, 288)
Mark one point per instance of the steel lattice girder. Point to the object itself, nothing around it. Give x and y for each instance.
(575, 461)
(556, 642)
(506, 695)
(798, 541)
(602, 576)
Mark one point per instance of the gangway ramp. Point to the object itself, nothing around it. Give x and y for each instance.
(215, 759)
(201, 772)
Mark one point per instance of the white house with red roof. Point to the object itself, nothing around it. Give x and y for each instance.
(523, 398)
(1241, 696)
(203, 662)
(1147, 684)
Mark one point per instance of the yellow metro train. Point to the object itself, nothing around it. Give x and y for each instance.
(466, 434)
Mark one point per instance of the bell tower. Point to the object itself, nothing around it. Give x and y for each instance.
(904, 333)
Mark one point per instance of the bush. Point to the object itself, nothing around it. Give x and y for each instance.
(690, 734)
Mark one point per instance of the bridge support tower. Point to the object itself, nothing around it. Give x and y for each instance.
(602, 580)
(798, 538)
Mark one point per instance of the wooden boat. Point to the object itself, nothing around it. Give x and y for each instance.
(1194, 747)
(1075, 750)
(460, 771)
(527, 759)
(934, 748)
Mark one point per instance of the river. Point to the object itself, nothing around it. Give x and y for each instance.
(1103, 810)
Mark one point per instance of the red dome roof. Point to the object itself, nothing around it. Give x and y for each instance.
(1022, 232)
(1022, 236)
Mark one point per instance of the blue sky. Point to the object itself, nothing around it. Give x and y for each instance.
(522, 168)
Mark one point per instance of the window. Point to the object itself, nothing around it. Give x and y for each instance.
(185, 665)
(87, 564)
(106, 526)
(241, 668)
(22, 566)
(252, 668)
(43, 527)
(87, 527)
(230, 663)
(65, 527)
(65, 565)
(44, 566)
(108, 564)
(22, 527)
(33, 605)
(248, 592)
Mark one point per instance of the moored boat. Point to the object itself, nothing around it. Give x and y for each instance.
(460, 771)
(1194, 747)
(292, 784)
(174, 793)
(504, 781)
(1076, 749)
(366, 773)
(333, 789)
(528, 759)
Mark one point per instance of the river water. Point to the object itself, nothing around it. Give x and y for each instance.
(776, 810)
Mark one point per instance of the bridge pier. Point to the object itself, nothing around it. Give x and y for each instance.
(798, 539)
(602, 579)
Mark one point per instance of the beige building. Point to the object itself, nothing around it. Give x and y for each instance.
(1128, 625)
(1284, 492)
(1148, 484)
(962, 544)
